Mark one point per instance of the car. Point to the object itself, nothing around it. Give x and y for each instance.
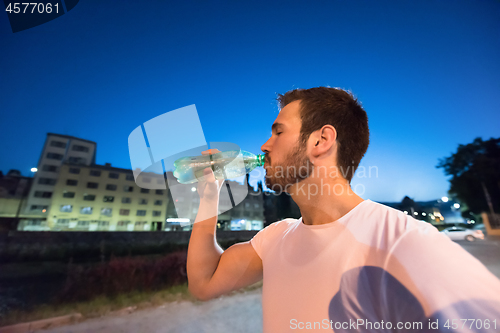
(481, 227)
(459, 233)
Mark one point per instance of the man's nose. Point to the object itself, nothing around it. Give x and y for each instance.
(266, 146)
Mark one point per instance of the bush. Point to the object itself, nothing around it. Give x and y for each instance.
(122, 275)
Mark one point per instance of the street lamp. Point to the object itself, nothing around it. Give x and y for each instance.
(34, 169)
(444, 199)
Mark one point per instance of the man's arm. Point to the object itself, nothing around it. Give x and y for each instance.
(211, 270)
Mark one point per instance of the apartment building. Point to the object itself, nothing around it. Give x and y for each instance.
(105, 198)
(57, 150)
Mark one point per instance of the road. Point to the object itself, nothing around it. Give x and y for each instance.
(486, 251)
(240, 313)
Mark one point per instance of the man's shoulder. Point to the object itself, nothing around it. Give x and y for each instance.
(278, 228)
(379, 224)
(281, 225)
(384, 213)
(266, 236)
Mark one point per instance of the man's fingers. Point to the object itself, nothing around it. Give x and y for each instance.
(208, 174)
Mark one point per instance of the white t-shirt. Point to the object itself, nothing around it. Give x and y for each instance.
(375, 269)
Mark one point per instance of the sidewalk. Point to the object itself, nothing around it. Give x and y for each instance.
(239, 313)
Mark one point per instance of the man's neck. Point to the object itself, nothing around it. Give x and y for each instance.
(324, 200)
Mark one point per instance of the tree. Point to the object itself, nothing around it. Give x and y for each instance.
(475, 175)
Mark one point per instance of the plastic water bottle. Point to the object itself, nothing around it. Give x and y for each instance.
(225, 165)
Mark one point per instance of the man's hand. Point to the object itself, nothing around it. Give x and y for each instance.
(208, 186)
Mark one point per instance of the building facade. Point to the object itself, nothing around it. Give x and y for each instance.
(57, 150)
(104, 198)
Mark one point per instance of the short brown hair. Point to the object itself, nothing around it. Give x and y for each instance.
(333, 106)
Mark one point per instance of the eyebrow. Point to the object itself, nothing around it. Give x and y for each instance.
(275, 126)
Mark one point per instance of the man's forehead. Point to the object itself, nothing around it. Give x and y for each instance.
(289, 115)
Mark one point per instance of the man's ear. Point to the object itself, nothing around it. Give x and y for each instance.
(323, 140)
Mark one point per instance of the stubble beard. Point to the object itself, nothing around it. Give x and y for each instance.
(295, 168)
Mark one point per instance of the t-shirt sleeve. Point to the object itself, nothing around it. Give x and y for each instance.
(264, 237)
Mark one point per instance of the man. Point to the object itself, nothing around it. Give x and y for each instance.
(348, 264)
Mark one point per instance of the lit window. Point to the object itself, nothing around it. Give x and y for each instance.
(86, 210)
(66, 208)
(106, 211)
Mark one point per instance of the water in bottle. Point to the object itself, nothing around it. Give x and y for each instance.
(225, 165)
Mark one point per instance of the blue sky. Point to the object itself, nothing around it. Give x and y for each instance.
(426, 72)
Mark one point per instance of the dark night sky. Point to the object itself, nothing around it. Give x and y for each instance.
(427, 73)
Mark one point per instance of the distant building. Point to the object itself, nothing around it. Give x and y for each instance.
(104, 198)
(14, 190)
(57, 150)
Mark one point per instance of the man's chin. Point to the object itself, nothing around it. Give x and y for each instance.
(270, 184)
(279, 187)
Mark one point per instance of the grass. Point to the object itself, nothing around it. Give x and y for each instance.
(103, 305)
(100, 305)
